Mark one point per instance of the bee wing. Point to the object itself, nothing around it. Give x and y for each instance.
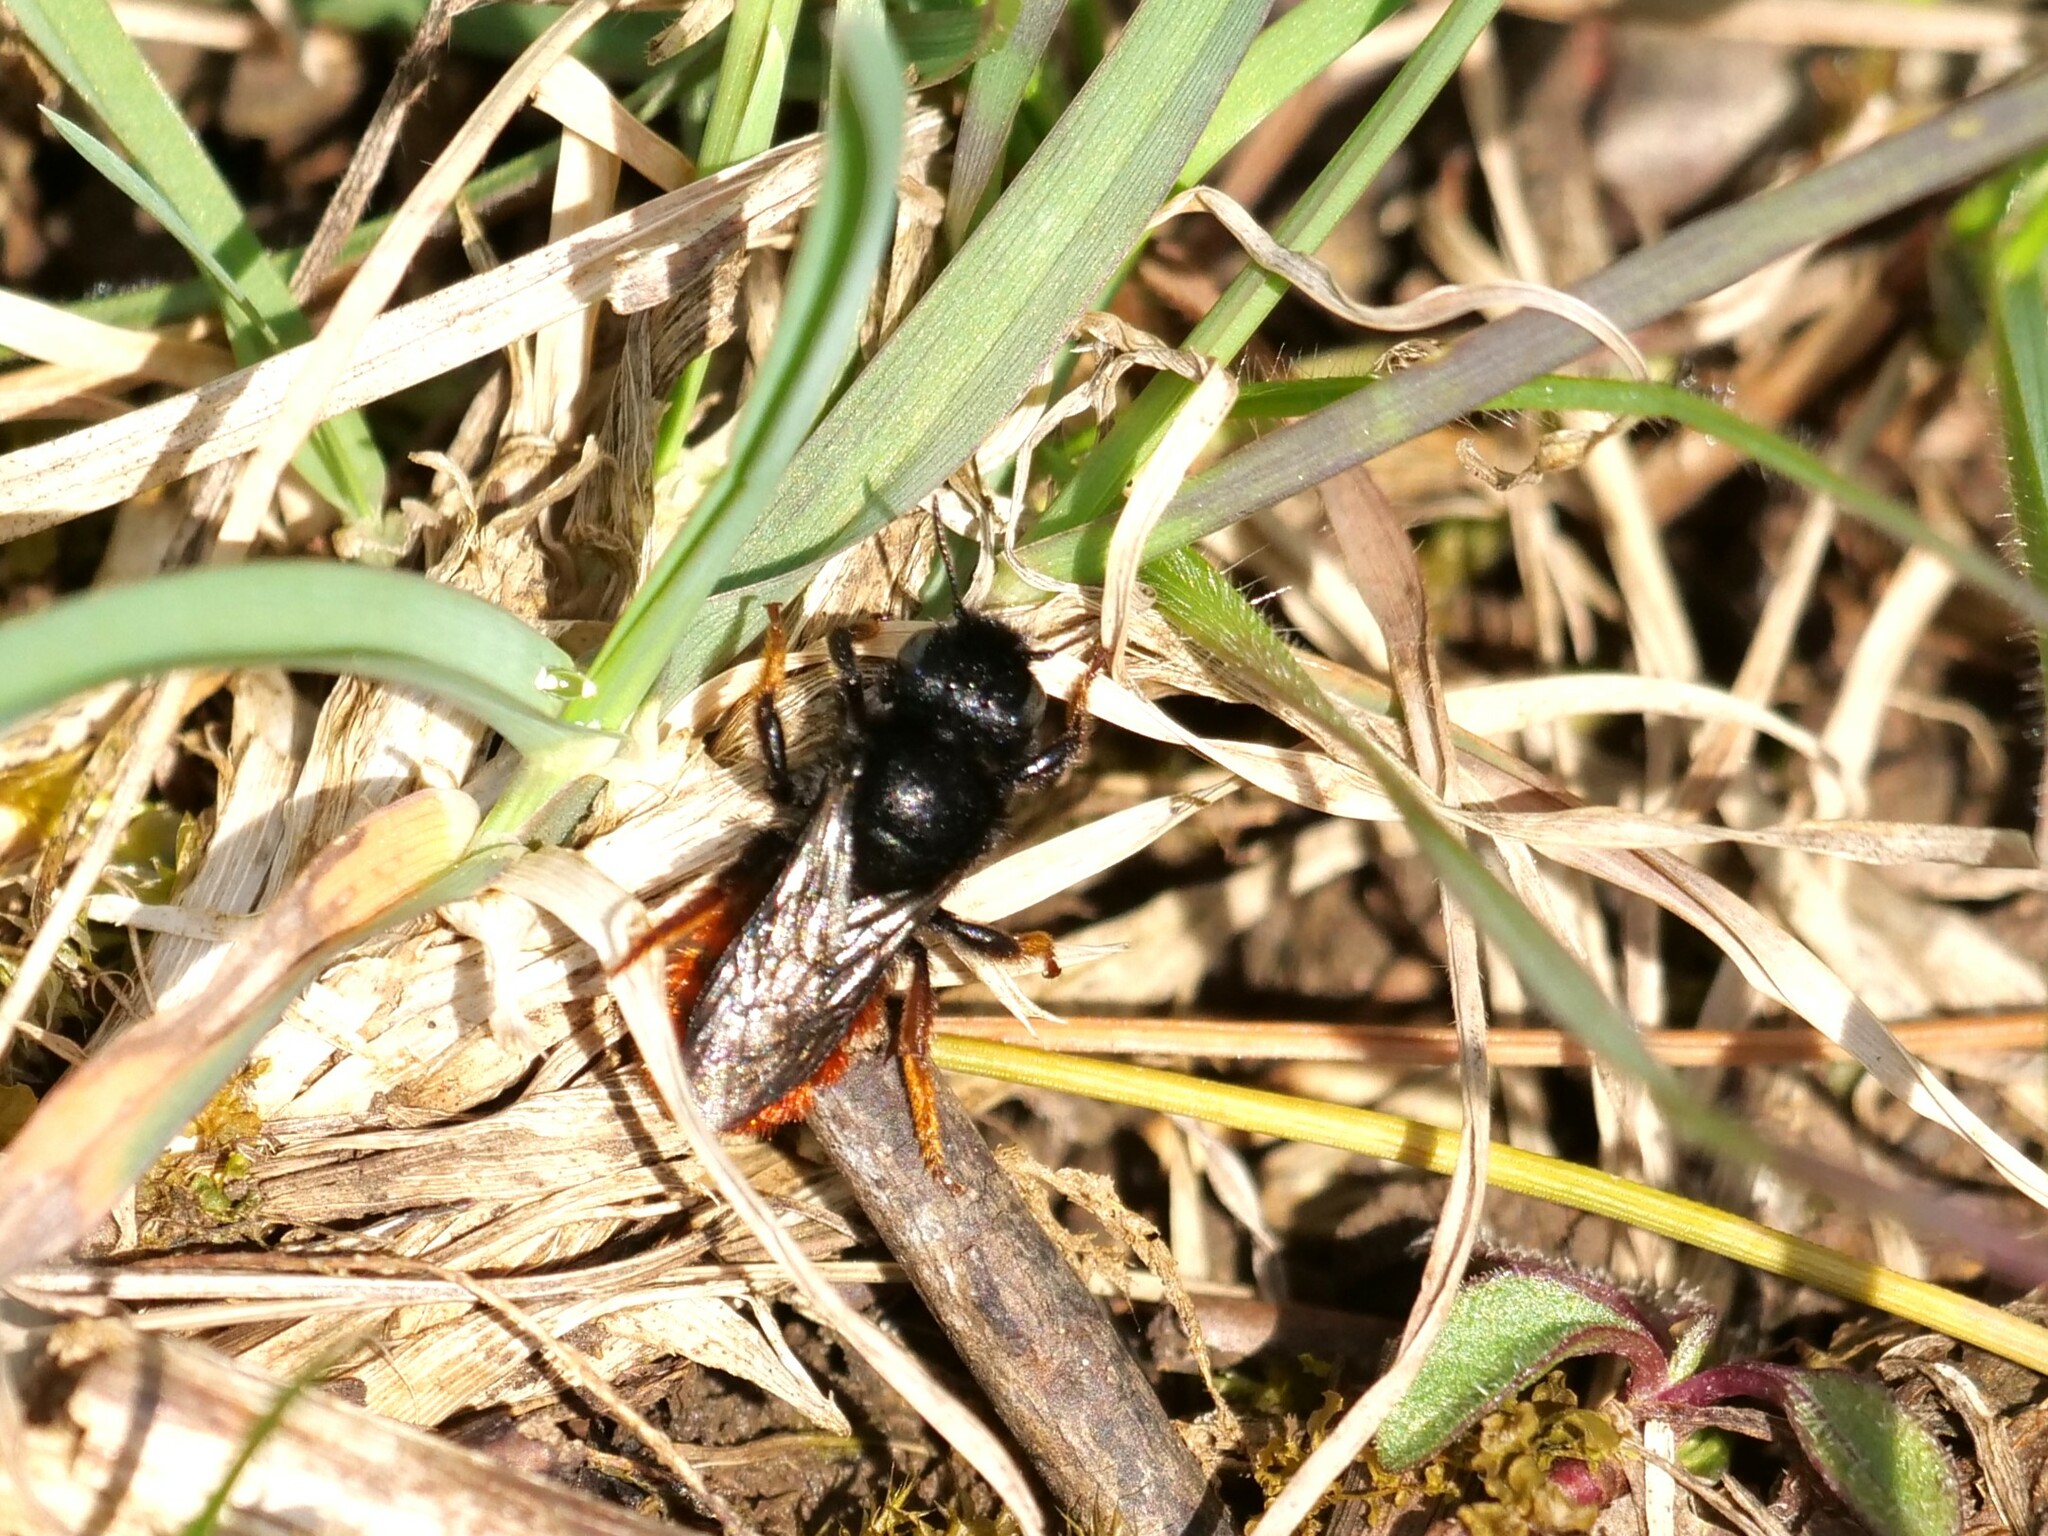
(784, 995)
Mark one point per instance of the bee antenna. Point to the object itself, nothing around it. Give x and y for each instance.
(946, 557)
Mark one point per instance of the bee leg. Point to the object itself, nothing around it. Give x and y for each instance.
(767, 719)
(994, 943)
(1051, 765)
(701, 923)
(914, 1051)
(853, 699)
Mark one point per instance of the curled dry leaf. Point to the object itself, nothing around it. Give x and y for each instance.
(1313, 281)
(1152, 489)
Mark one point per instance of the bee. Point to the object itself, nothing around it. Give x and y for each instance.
(778, 977)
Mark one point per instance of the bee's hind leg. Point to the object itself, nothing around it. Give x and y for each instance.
(914, 1051)
(991, 943)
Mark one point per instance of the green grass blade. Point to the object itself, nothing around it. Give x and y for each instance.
(845, 239)
(750, 76)
(1776, 452)
(749, 93)
(266, 1424)
(994, 92)
(315, 616)
(971, 347)
(1285, 57)
(140, 191)
(1773, 450)
(85, 44)
(1237, 315)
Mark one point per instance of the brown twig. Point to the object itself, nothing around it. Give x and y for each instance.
(1042, 1348)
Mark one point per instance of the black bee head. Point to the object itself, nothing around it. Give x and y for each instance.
(969, 681)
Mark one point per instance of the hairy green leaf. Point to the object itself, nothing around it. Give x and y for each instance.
(2019, 348)
(1504, 1332)
(1879, 1460)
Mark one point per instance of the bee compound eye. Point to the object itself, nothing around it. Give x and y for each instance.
(1034, 706)
(914, 648)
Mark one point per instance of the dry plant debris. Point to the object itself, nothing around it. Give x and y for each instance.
(1778, 786)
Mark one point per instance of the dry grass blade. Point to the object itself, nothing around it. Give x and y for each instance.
(357, 1283)
(374, 149)
(1958, 28)
(57, 336)
(1950, 1041)
(262, 763)
(574, 95)
(590, 1381)
(61, 392)
(1500, 709)
(1427, 311)
(1043, 870)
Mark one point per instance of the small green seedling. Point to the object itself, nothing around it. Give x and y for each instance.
(1510, 1326)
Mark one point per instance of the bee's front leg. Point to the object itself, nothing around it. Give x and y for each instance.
(1051, 765)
